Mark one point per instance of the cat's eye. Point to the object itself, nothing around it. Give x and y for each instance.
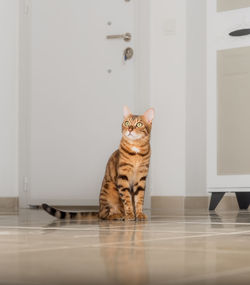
(126, 123)
(139, 125)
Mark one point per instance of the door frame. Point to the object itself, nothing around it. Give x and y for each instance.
(219, 183)
(142, 88)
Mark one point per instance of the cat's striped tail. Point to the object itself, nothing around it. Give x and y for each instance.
(69, 215)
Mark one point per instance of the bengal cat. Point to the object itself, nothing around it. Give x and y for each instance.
(123, 186)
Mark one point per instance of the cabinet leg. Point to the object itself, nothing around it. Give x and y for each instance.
(243, 199)
(215, 200)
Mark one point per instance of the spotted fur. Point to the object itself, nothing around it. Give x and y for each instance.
(124, 182)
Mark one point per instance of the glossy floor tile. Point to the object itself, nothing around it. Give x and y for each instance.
(197, 247)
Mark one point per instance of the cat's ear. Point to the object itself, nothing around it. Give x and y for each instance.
(126, 112)
(149, 115)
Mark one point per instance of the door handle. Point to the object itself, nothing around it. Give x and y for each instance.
(126, 37)
(240, 33)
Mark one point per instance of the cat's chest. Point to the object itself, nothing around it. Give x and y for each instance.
(136, 159)
(135, 149)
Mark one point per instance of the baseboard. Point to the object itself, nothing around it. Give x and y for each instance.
(167, 203)
(181, 203)
(77, 208)
(9, 203)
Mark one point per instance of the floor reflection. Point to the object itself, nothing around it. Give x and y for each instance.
(242, 217)
(197, 247)
(121, 248)
(216, 221)
(124, 253)
(221, 220)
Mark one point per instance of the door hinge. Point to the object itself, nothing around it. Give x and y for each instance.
(25, 184)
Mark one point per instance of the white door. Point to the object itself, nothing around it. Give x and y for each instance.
(77, 83)
(228, 95)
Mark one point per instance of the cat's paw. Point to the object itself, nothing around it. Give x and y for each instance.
(141, 216)
(115, 217)
(130, 217)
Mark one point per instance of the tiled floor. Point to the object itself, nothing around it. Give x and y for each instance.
(195, 248)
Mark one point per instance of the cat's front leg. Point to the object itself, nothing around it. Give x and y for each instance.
(125, 195)
(139, 191)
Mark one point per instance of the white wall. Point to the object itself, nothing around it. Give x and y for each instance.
(168, 95)
(8, 97)
(178, 54)
(196, 98)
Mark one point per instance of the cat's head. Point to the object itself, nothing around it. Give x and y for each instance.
(136, 127)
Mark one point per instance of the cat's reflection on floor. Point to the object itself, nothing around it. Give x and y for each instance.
(64, 223)
(122, 249)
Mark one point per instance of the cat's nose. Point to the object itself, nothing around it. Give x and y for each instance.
(130, 128)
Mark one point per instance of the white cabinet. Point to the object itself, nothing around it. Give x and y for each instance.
(228, 97)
